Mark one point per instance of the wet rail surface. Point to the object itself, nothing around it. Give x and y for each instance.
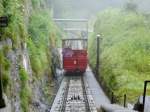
(74, 96)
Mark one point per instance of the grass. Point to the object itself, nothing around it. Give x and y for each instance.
(125, 57)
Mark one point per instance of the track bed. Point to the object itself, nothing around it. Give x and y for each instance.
(73, 96)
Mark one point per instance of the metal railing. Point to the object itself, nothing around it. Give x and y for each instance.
(140, 107)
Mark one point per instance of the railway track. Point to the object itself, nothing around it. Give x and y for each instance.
(73, 96)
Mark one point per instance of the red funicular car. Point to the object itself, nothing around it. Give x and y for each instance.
(74, 54)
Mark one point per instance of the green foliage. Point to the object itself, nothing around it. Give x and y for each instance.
(125, 56)
(5, 69)
(131, 6)
(25, 93)
(6, 49)
(17, 29)
(36, 3)
(23, 76)
(40, 26)
(43, 34)
(1, 7)
(35, 58)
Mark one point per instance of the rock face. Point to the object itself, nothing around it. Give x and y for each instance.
(40, 99)
(12, 100)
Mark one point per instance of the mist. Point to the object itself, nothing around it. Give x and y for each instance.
(89, 8)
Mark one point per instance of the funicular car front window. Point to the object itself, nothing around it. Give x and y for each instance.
(75, 44)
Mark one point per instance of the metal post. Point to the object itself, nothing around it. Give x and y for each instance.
(144, 93)
(2, 101)
(87, 35)
(1, 82)
(112, 98)
(87, 29)
(125, 100)
(98, 54)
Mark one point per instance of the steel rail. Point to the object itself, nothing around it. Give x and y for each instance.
(65, 96)
(74, 96)
(87, 106)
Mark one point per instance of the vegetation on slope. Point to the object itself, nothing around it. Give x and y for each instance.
(125, 46)
(17, 30)
(25, 92)
(43, 35)
(5, 70)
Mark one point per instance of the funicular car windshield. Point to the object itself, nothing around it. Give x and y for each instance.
(75, 44)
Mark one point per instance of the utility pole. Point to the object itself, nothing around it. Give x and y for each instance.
(98, 55)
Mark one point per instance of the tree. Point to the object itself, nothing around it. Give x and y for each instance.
(131, 6)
